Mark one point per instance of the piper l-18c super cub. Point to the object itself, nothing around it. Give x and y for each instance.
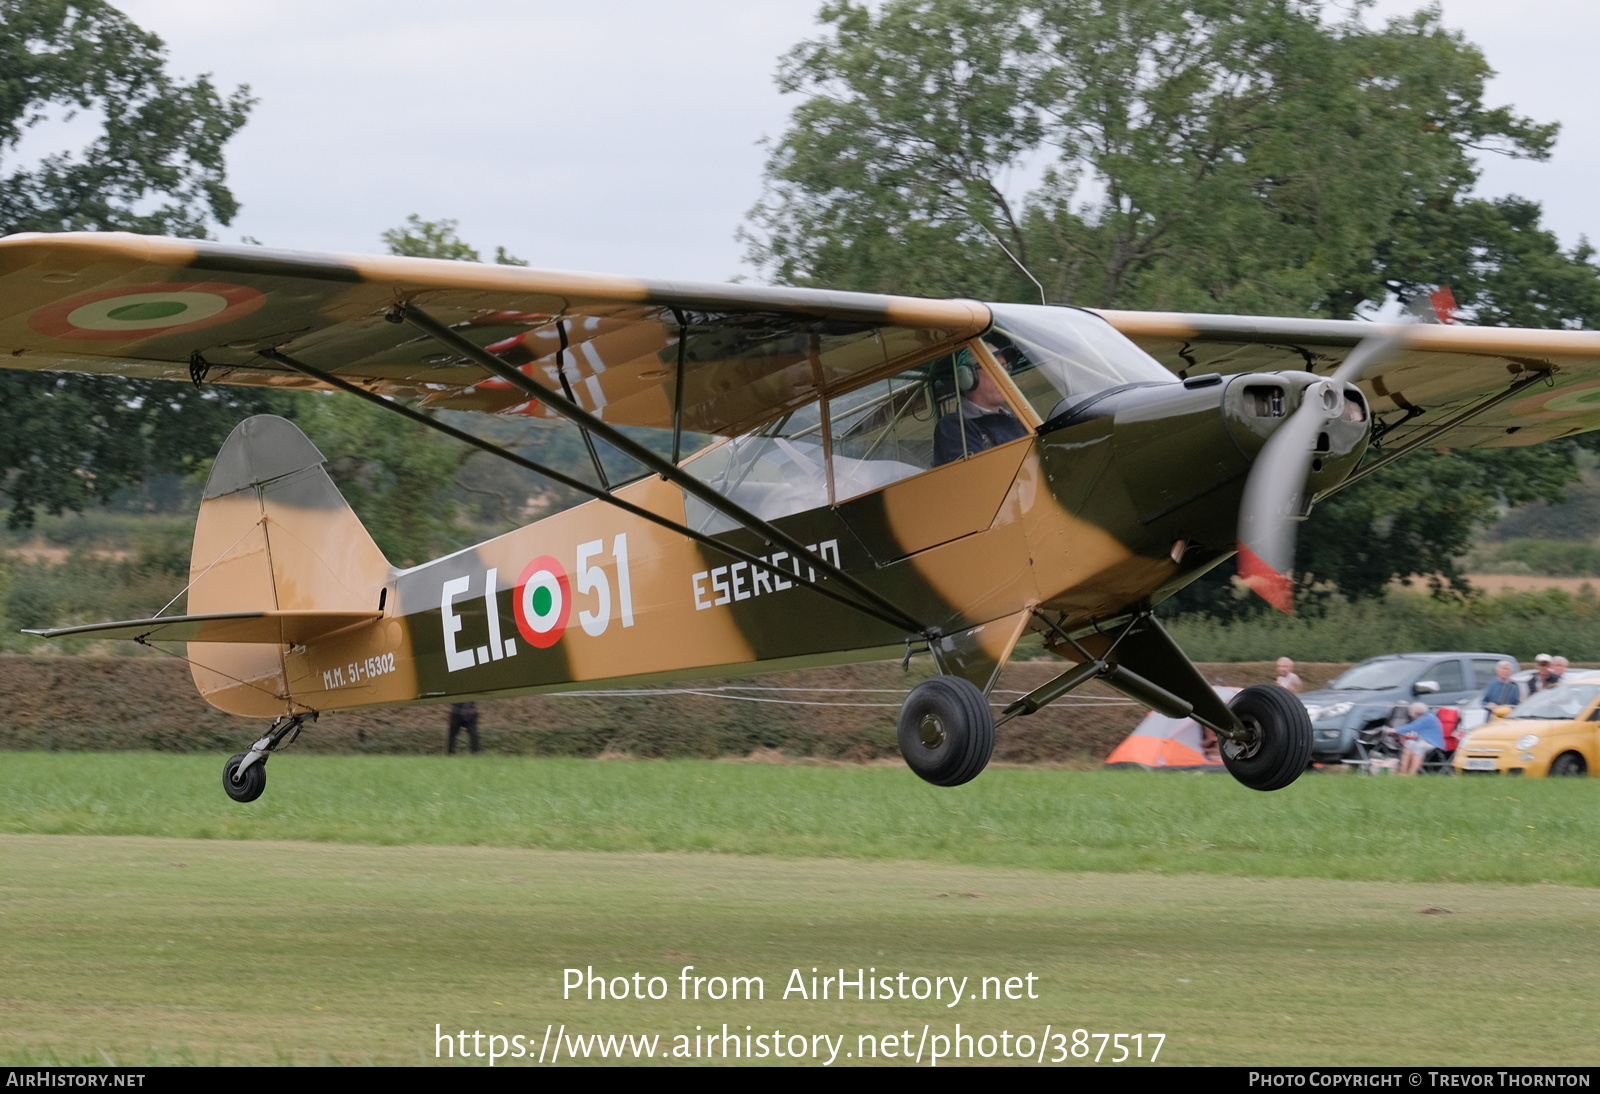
(894, 475)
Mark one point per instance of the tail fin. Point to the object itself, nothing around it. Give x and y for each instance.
(274, 534)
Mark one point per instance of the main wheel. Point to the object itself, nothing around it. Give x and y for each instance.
(946, 730)
(249, 788)
(1281, 732)
(1568, 763)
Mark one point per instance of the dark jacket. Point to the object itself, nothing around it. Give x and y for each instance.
(984, 429)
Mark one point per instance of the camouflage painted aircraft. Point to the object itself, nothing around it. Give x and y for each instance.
(892, 476)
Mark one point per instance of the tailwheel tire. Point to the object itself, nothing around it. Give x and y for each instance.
(1281, 732)
(1567, 764)
(248, 788)
(946, 730)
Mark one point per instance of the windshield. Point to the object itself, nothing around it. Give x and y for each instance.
(1059, 355)
(1375, 676)
(1565, 702)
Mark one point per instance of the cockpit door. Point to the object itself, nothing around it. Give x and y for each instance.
(926, 456)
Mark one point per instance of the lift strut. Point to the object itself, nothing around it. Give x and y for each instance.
(898, 620)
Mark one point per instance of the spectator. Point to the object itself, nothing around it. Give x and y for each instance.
(1287, 678)
(1558, 670)
(1541, 675)
(1418, 737)
(463, 716)
(1502, 690)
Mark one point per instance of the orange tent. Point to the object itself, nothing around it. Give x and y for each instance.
(1178, 744)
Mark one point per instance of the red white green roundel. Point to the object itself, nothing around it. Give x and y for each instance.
(543, 602)
(144, 311)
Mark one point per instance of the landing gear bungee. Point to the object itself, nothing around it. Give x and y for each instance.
(1277, 746)
(946, 730)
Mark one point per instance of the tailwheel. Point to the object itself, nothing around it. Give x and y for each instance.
(946, 730)
(244, 786)
(1276, 747)
(244, 776)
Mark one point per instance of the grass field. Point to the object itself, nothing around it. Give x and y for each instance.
(1342, 921)
(1333, 826)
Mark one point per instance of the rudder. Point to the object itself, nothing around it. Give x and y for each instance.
(273, 533)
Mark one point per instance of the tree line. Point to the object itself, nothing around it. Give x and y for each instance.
(1251, 156)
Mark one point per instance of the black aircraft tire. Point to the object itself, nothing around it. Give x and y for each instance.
(250, 787)
(946, 730)
(1283, 728)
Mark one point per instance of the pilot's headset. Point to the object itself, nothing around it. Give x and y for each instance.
(966, 372)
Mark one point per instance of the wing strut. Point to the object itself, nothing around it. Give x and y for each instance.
(677, 386)
(897, 620)
(773, 536)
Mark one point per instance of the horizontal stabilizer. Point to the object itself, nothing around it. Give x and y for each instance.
(296, 628)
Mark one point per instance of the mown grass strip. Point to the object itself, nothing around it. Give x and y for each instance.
(139, 951)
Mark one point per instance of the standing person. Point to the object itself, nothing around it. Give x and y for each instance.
(1558, 671)
(1541, 676)
(463, 716)
(1502, 690)
(1287, 678)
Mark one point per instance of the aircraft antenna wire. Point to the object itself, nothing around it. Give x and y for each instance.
(208, 569)
(1017, 262)
(147, 644)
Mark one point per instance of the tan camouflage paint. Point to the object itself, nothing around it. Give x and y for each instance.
(980, 544)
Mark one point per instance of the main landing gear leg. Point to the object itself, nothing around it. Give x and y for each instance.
(244, 776)
(1265, 732)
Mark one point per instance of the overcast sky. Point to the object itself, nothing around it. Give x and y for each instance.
(624, 136)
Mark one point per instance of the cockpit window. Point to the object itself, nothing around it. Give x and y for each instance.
(1060, 354)
(872, 436)
(778, 470)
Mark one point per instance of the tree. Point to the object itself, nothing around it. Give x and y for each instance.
(160, 139)
(70, 441)
(437, 239)
(1247, 156)
(491, 490)
(395, 474)
(1213, 155)
(403, 479)
(155, 167)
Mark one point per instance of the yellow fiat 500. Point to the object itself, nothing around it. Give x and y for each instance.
(1555, 732)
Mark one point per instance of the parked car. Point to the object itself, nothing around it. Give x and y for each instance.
(1345, 714)
(1554, 732)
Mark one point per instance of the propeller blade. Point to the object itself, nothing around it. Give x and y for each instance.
(1273, 493)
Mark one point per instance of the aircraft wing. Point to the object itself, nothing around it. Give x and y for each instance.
(140, 306)
(1493, 386)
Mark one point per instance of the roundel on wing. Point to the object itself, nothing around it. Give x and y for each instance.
(1578, 399)
(542, 602)
(144, 311)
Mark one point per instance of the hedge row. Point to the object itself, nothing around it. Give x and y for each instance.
(111, 704)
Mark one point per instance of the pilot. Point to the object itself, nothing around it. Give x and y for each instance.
(984, 417)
